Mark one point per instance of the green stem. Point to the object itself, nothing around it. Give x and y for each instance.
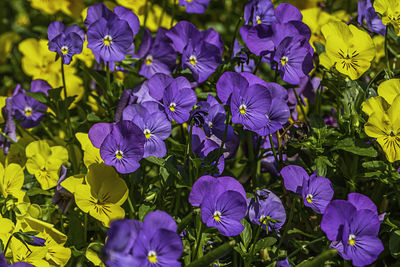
(387, 52)
(234, 37)
(189, 150)
(173, 13)
(251, 253)
(304, 246)
(198, 239)
(320, 259)
(185, 221)
(288, 224)
(213, 255)
(69, 130)
(8, 243)
(271, 142)
(301, 105)
(85, 224)
(224, 138)
(62, 222)
(131, 208)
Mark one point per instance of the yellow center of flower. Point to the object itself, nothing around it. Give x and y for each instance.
(64, 50)
(217, 216)
(352, 240)
(152, 256)
(107, 40)
(263, 219)
(258, 20)
(349, 59)
(242, 109)
(193, 60)
(147, 133)
(284, 60)
(148, 60)
(309, 198)
(189, 1)
(28, 111)
(119, 154)
(172, 107)
(210, 124)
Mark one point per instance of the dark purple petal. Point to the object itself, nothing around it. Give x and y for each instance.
(318, 193)
(334, 218)
(158, 220)
(286, 12)
(130, 17)
(99, 132)
(293, 177)
(361, 202)
(229, 82)
(204, 186)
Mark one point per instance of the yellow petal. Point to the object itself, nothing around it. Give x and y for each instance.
(13, 180)
(91, 154)
(60, 153)
(374, 104)
(389, 89)
(376, 125)
(38, 147)
(71, 182)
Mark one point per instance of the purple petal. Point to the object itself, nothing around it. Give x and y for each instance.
(293, 177)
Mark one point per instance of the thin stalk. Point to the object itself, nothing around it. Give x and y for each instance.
(69, 130)
(185, 221)
(257, 65)
(198, 240)
(250, 257)
(304, 246)
(189, 150)
(214, 254)
(301, 105)
(224, 138)
(173, 13)
(8, 243)
(234, 37)
(271, 142)
(62, 222)
(85, 224)
(288, 224)
(387, 52)
(131, 208)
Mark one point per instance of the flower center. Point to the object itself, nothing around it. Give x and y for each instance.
(28, 111)
(149, 60)
(309, 198)
(210, 124)
(217, 216)
(284, 60)
(147, 133)
(258, 19)
(64, 50)
(172, 107)
(352, 240)
(119, 154)
(348, 59)
(263, 219)
(107, 40)
(242, 109)
(193, 60)
(152, 256)
(392, 133)
(189, 1)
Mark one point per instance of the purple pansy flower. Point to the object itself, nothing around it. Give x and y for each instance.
(202, 146)
(151, 243)
(155, 126)
(259, 12)
(9, 124)
(294, 60)
(282, 263)
(353, 227)
(157, 53)
(62, 197)
(179, 99)
(65, 41)
(266, 204)
(194, 6)
(249, 106)
(4, 263)
(121, 144)
(27, 109)
(367, 11)
(317, 192)
(110, 40)
(222, 201)
(201, 58)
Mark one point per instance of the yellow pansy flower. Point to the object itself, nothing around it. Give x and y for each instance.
(11, 180)
(389, 90)
(390, 11)
(379, 42)
(7, 40)
(70, 7)
(6, 229)
(92, 256)
(39, 62)
(351, 50)
(385, 127)
(44, 162)
(36, 255)
(102, 195)
(91, 154)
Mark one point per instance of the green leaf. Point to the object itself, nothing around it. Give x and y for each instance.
(357, 147)
(375, 164)
(39, 96)
(91, 117)
(55, 93)
(37, 191)
(246, 234)
(297, 231)
(265, 243)
(1, 246)
(143, 211)
(394, 244)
